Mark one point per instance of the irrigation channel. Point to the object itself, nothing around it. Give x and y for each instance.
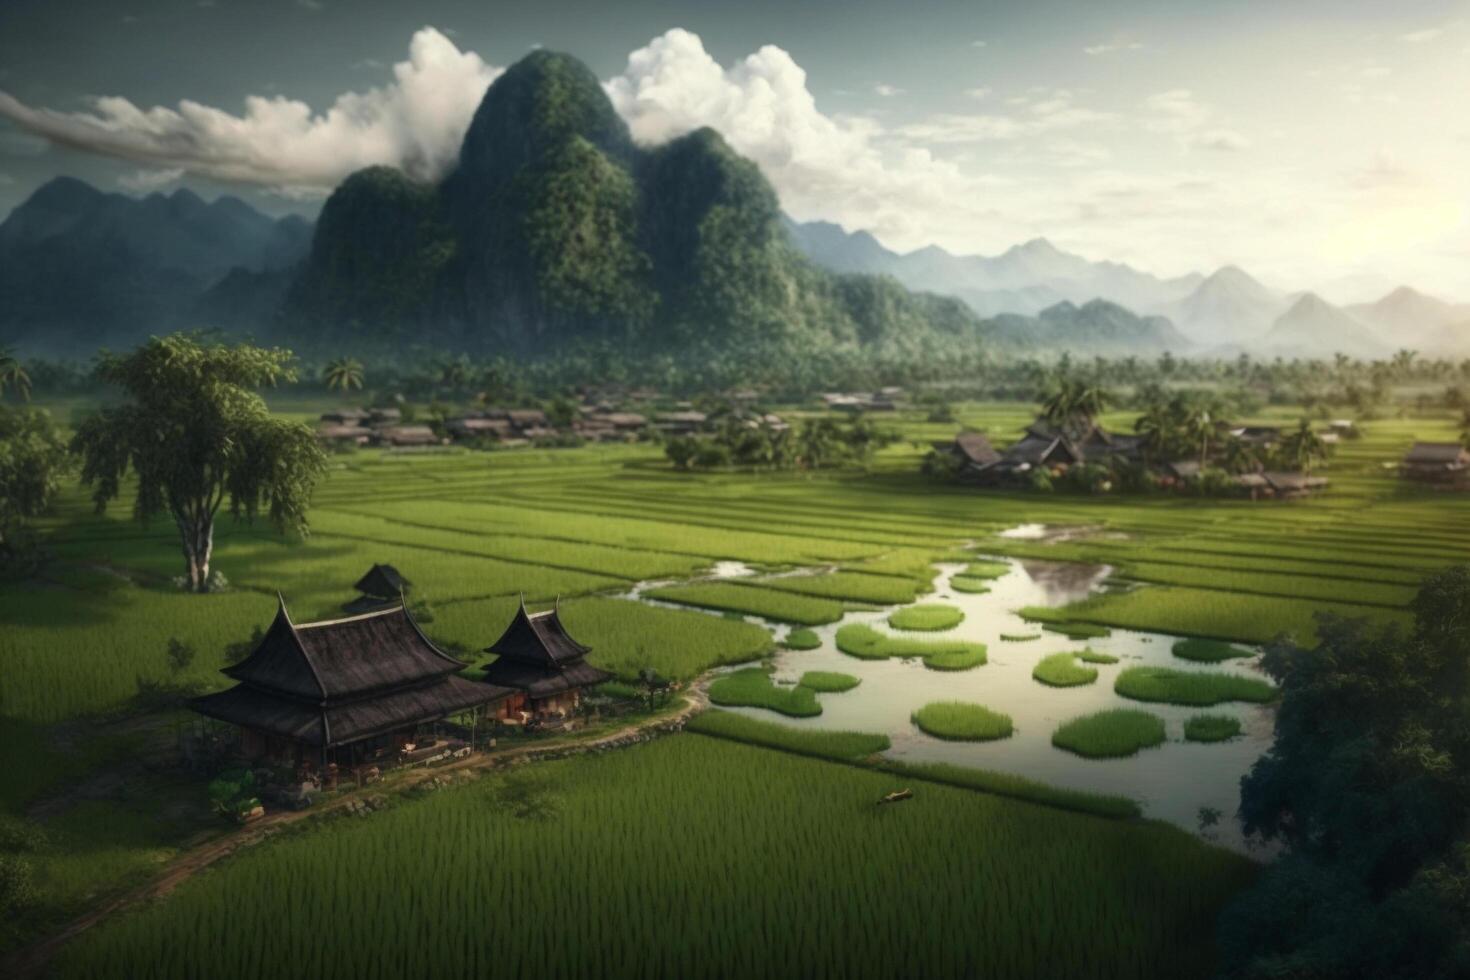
(1172, 781)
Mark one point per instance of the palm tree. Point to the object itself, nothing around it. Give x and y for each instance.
(1238, 456)
(1074, 399)
(1302, 448)
(345, 373)
(13, 375)
(1159, 427)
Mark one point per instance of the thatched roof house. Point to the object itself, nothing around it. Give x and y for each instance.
(1437, 462)
(538, 657)
(312, 688)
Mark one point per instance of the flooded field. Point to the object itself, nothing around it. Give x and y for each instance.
(1172, 781)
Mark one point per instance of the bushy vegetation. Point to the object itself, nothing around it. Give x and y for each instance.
(958, 721)
(1211, 728)
(1110, 734)
(1062, 670)
(864, 642)
(816, 444)
(926, 617)
(1208, 651)
(1195, 688)
(751, 687)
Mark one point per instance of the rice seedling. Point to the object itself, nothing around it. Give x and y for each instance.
(1017, 787)
(828, 681)
(1193, 688)
(1211, 728)
(350, 882)
(1062, 670)
(801, 639)
(1208, 651)
(751, 687)
(927, 617)
(862, 641)
(961, 722)
(1110, 734)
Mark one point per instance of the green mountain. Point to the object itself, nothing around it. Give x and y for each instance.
(556, 229)
(1098, 327)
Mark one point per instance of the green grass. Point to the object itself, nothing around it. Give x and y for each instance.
(1018, 787)
(1194, 688)
(801, 639)
(883, 590)
(785, 607)
(961, 722)
(828, 681)
(1062, 670)
(866, 643)
(969, 584)
(394, 894)
(1208, 651)
(1020, 637)
(842, 746)
(1078, 631)
(976, 577)
(1211, 728)
(930, 617)
(751, 687)
(1110, 734)
(1093, 657)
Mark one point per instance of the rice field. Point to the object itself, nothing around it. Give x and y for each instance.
(926, 617)
(866, 643)
(841, 746)
(662, 851)
(801, 639)
(1063, 670)
(958, 721)
(1211, 728)
(1193, 688)
(1208, 651)
(751, 687)
(828, 681)
(1110, 734)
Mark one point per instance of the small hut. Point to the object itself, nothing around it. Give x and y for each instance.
(1437, 462)
(380, 588)
(537, 658)
(344, 691)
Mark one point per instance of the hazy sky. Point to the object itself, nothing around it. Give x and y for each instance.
(1318, 144)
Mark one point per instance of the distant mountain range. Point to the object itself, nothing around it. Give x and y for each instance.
(1226, 312)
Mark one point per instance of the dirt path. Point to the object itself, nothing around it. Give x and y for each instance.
(33, 960)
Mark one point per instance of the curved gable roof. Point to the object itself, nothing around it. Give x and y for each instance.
(538, 639)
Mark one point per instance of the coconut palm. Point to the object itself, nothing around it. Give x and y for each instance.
(345, 374)
(1159, 427)
(1302, 448)
(1238, 456)
(1072, 399)
(12, 375)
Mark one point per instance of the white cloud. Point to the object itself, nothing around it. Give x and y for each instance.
(1111, 47)
(886, 91)
(982, 92)
(416, 122)
(147, 181)
(979, 44)
(1225, 140)
(1423, 36)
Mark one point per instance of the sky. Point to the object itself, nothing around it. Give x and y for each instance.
(1319, 145)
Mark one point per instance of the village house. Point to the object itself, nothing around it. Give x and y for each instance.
(346, 694)
(380, 587)
(547, 669)
(1437, 462)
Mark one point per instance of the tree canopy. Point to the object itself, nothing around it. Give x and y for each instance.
(1367, 787)
(195, 433)
(33, 460)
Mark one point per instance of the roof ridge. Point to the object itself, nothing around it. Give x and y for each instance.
(345, 619)
(316, 675)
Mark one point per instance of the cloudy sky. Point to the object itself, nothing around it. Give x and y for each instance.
(1318, 144)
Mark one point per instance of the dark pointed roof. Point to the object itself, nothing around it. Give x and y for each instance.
(384, 581)
(538, 638)
(341, 680)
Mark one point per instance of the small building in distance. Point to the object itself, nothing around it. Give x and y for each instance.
(1437, 462)
(407, 435)
(344, 692)
(381, 587)
(539, 660)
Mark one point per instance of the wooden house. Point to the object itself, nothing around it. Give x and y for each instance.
(381, 587)
(343, 692)
(540, 661)
(1437, 462)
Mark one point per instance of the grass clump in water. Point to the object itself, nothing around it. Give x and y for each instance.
(828, 681)
(1079, 631)
(802, 741)
(969, 584)
(1211, 728)
(751, 687)
(802, 639)
(1093, 657)
(1111, 734)
(1020, 637)
(1208, 651)
(1062, 670)
(929, 617)
(862, 641)
(1192, 688)
(961, 722)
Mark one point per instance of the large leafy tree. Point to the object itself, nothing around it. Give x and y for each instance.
(13, 375)
(33, 461)
(195, 433)
(1073, 400)
(1367, 790)
(1302, 448)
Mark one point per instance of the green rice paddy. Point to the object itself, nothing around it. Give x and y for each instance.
(1062, 670)
(751, 687)
(1078, 631)
(1208, 651)
(960, 722)
(842, 746)
(1110, 734)
(828, 681)
(926, 617)
(1093, 657)
(1211, 728)
(801, 639)
(1194, 688)
(863, 641)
